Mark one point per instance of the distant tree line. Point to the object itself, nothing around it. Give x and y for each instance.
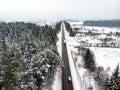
(69, 29)
(103, 23)
(58, 26)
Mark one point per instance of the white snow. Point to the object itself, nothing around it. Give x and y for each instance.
(57, 84)
(76, 23)
(85, 78)
(103, 29)
(59, 43)
(106, 57)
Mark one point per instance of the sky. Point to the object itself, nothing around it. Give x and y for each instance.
(59, 9)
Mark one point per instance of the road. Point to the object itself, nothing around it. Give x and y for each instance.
(66, 84)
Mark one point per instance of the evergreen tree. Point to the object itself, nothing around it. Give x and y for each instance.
(71, 33)
(67, 25)
(89, 61)
(28, 55)
(8, 75)
(113, 83)
(58, 26)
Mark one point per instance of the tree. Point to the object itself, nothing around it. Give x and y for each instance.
(67, 25)
(58, 26)
(46, 63)
(71, 33)
(7, 68)
(27, 51)
(103, 23)
(89, 61)
(113, 83)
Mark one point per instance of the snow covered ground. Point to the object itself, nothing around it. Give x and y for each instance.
(103, 29)
(83, 78)
(57, 84)
(59, 43)
(94, 28)
(107, 57)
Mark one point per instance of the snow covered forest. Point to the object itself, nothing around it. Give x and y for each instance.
(28, 55)
(105, 23)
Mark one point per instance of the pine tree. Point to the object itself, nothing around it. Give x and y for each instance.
(113, 83)
(26, 41)
(89, 61)
(58, 26)
(71, 33)
(8, 75)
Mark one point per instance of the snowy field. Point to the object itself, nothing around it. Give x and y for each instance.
(95, 28)
(103, 29)
(107, 57)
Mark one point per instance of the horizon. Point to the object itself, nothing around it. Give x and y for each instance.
(56, 20)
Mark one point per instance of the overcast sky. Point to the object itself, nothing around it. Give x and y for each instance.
(59, 9)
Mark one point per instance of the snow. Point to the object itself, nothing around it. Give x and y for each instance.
(85, 78)
(59, 43)
(94, 29)
(57, 84)
(76, 23)
(103, 36)
(94, 41)
(113, 37)
(103, 29)
(107, 57)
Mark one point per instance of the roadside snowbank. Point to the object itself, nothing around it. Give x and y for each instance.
(59, 43)
(57, 84)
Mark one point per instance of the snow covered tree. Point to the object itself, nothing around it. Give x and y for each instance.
(45, 64)
(67, 25)
(7, 68)
(58, 26)
(69, 29)
(89, 61)
(113, 83)
(71, 33)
